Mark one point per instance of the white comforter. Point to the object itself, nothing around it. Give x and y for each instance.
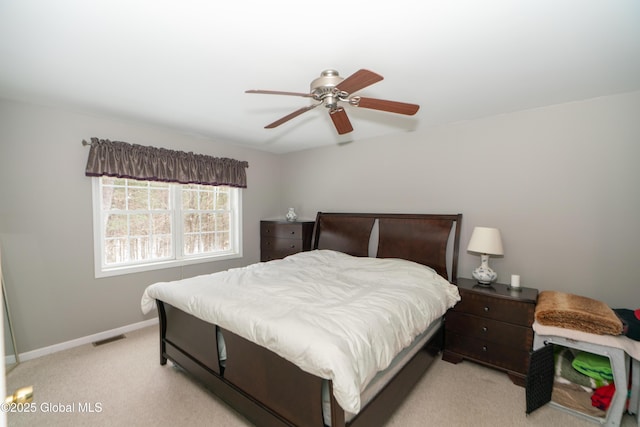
(336, 316)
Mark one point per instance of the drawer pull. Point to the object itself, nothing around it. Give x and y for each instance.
(486, 309)
(484, 348)
(484, 329)
(293, 232)
(292, 246)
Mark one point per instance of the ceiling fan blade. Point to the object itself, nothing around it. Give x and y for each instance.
(278, 92)
(359, 80)
(290, 116)
(383, 105)
(340, 120)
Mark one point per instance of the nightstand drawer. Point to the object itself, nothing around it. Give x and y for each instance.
(281, 230)
(504, 310)
(497, 355)
(490, 330)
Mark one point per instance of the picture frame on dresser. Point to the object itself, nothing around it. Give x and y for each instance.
(492, 325)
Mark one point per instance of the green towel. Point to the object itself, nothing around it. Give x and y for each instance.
(593, 365)
(564, 369)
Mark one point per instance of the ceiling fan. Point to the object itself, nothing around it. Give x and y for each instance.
(329, 89)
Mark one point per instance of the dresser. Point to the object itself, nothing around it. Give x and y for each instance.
(492, 325)
(281, 238)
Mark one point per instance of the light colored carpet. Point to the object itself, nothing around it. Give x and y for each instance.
(124, 383)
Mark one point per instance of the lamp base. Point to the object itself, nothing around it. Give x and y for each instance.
(483, 274)
(483, 284)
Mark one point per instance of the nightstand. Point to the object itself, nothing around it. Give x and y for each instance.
(281, 238)
(492, 325)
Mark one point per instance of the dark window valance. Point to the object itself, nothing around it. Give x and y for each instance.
(124, 160)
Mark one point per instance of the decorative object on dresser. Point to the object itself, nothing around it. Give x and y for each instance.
(485, 241)
(291, 215)
(492, 325)
(515, 282)
(281, 238)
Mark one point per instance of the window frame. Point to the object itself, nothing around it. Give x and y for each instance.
(177, 213)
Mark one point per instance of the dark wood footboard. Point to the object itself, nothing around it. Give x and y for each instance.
(273, 381)
(194, 337)
(265, 388)
(172, 320)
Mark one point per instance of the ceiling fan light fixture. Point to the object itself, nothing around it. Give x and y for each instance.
(331, 101)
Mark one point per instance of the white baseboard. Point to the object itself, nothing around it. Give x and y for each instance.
(85, 340)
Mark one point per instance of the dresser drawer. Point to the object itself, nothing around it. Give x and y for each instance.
(281, 245)
(490, 330)
(496, 354)
(271, 255)
(504, 310)
(281, 230)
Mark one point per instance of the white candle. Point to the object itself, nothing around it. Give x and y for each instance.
(515, 281)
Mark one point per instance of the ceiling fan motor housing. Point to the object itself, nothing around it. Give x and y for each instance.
(322, 88)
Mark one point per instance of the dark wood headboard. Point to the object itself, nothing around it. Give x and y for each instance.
(422, 238)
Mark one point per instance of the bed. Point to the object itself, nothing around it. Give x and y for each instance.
(298, 378)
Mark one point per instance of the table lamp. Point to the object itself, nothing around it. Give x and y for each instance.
(485, 241)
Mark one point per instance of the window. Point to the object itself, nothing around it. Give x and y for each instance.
(145, 225)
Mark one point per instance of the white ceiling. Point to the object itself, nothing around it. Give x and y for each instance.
(187, 63)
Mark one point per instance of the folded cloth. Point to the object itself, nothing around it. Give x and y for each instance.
(601, 398)
(631, 323)
(576, 312)
(564, 358)
(593, 365)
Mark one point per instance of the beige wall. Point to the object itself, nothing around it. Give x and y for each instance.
(46, 222)
(562, 183)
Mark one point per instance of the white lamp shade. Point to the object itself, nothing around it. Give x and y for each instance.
(485, 240)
